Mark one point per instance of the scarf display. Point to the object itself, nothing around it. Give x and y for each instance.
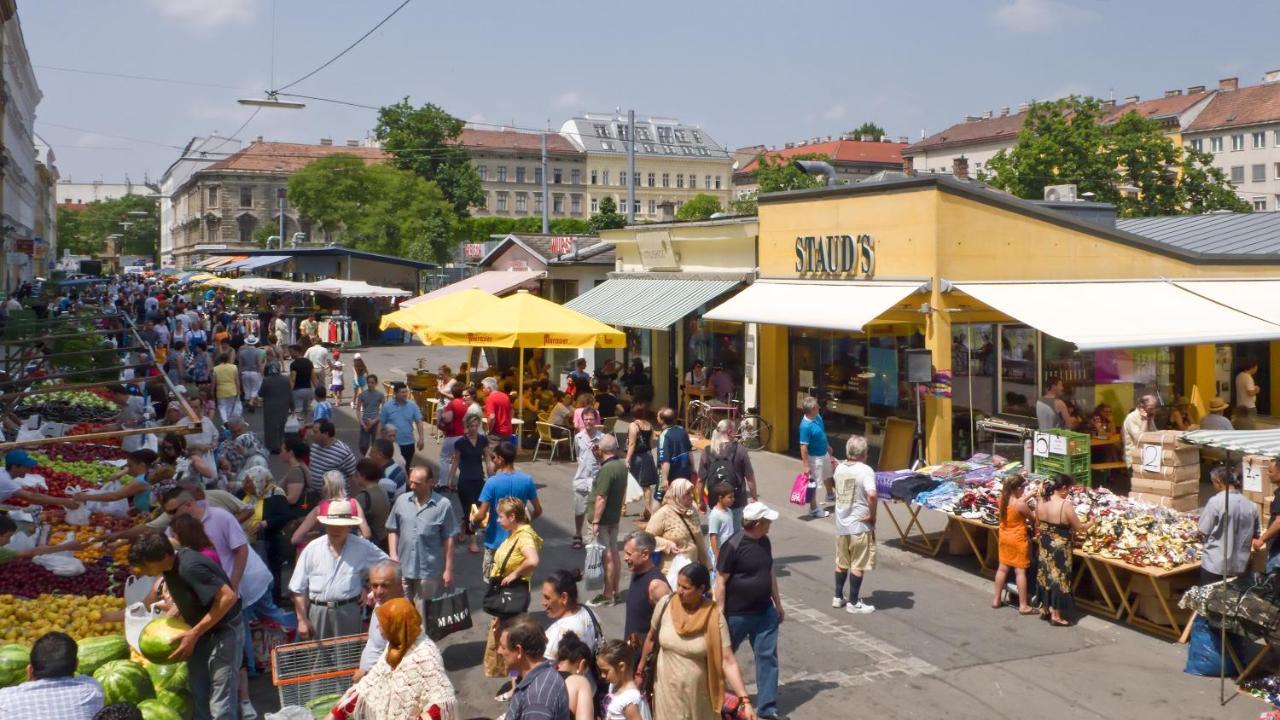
(706, 621)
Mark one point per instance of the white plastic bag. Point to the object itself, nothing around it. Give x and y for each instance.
(634, 491)
(21, 541)
(593, 568)
(61, 563)
(290, 712)
(31, 481)
(137, 617)
(677, 564)
(292, 424)
(136, 588)
(79, 516)
(117, 508)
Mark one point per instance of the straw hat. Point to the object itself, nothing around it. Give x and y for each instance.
(339, 512)
(1218, 405)
(251, 340)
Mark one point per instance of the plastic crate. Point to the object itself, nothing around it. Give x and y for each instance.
(305, 671)
(1076, 462)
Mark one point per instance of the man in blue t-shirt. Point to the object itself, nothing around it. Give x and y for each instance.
(814, 456)
(674, 449)
(505, 482)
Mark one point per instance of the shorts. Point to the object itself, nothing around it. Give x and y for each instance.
(856, 552)
(580, 498)
(608, 537)
(336, 387)
(820, 468)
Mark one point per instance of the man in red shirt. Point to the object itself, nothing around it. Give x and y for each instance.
(497, 408)
(451, 423)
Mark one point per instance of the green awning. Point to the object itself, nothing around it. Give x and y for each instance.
(652, 304)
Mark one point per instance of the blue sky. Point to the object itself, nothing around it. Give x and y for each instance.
(748, 71)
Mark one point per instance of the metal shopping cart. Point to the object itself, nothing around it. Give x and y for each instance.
(308, 670)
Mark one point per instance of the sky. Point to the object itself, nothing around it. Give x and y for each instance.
(748, 72)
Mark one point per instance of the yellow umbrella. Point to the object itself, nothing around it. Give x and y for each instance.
(521, 320)
(447, 309)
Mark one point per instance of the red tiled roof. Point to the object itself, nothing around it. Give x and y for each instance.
(1157, 108)
(973, 131)
(289, 157)
(840, 151)
(514, 140)
(1246, 106)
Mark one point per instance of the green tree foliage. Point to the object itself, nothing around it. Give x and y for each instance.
(1065, 141)
(481, 229)
(135, 217)
(868, 128)
(424, 140)
(699, 207)
(377, 208)
(774, 174)
(607, 217)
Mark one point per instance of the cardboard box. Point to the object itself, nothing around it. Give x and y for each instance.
(1255, 473)
(1169, 474)
(1167, 438)
(1170, 456)
(1186, 503)
(1164, 487)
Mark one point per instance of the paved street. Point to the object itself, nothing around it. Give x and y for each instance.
(933, 648)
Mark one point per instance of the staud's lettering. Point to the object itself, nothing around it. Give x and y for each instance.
(835, 255)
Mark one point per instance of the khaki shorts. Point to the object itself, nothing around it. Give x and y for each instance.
(608, 537)
(580, 502)
(856, 552)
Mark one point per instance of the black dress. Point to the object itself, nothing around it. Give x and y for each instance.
(470, 474)
(642, 464)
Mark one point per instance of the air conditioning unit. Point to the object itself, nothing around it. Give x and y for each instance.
(1060, 193)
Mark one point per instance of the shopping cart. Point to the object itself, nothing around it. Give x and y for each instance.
(308, 670)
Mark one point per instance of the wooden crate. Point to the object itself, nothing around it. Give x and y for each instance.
(1186, 503)
(1164, 487)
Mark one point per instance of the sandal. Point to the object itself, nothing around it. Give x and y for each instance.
(1028, 611)
(577, 542)
(1060, 623)
(504, 696)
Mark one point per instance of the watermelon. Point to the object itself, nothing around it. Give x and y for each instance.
(169, 677)
(95, 652)
(13, 664)
(179, 702)
(156, 710)
(125, 681)
(160, 638)
(321, 706)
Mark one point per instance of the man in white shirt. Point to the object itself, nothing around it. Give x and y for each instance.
(1246, 414)
(1141, 420)
(320, 362)
(855, 483)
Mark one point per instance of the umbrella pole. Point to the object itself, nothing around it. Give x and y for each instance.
(520, 396)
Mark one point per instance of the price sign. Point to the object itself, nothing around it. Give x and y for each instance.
(1152, 458)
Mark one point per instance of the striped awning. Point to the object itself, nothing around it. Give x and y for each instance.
(1251, 442)
(652, 304)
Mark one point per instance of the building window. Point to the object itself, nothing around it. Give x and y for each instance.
(1237, 175)
(502, 173)
(484, 200)
(213, 197)
(575, 177)
(557, 175)
(1197, 145)
(483, 172)
(247, 224)
(693, 180)
(606, 144)
(636, 179)
(557, 204)
(537, 202)
(1277, 171)
(622, 178)
(1260, 204)
(537, 175)
(594, 175)
(604, 177)
(679, 180)
(595, 206)
(520, 174)
(717, 182)
(1259, 141)
(651, 179)
(1215, 144)
(635, 207)
(602, 130)
(521, 201)
(706, 182)
(666, 179)
(1237, 142)
(502, 202)
(1259, 173)
(575, 204)
(246, 197)
(653, 207)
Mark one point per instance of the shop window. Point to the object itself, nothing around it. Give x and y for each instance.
(1115, 378)
(1018, 370)
(715, 343)
(973, 385)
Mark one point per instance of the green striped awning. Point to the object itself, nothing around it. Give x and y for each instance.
(1251, 442)
(652, 304)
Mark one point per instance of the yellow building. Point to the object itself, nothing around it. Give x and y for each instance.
(1002, 293)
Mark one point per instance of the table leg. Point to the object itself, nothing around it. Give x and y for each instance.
(925, 544)
(977, 554)
(1107, 606)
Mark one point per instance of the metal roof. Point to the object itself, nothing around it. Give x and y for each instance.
(655, 137)
(1252, 442)
(1224, 233)
(654, 304)
(331, 251)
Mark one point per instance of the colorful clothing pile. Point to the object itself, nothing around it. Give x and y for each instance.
(1265, 688)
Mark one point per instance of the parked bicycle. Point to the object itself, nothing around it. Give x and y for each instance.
(750, 430)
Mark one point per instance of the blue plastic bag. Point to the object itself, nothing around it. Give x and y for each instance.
(1204, 656)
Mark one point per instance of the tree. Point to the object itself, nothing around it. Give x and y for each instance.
(699, 207)
(425, 141)
(774, 174)
(868, 128)
(377, 208)
(1204, 187)
(136, 218)
(607, 217)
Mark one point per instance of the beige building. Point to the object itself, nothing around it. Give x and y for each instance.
(509, 163)
(674, 162)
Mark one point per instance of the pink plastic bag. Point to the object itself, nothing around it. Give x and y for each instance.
(800, 489)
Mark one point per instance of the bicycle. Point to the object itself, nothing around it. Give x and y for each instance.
(749, 429)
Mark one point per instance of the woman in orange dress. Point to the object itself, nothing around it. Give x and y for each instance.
(1014, 516)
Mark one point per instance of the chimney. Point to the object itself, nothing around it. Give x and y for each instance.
(1195, 89)
(960, 167)
(1229, 84)
(846, 136)
(1108, 104)
(788, 146)
(326, 141)
(1172, 93)
(902, 139)
(867, 138)
(1004, 112)
(1271, 76)
(908, 165)
(1131, 99)
(1023, 107)
(986, 115)
(259, 139)
(353, 143)
(971, 118)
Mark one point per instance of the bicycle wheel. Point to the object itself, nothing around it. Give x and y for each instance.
(702, 425)
(754, 432)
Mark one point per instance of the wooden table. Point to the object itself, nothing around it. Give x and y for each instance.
(1124, 579)
(1095, 441)
(913, 534)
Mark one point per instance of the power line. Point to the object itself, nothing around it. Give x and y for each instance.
(148, 78)
(329, 100)
(359, 40)
(117, 137)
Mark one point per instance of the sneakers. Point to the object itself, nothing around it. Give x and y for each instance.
(603, 600)
(837, 602)
(859, 608)
(247, 711)
(818, 513)
(831, 498)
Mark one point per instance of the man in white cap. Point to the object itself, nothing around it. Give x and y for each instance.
(747, 591)
(252, 360)
(329, 576)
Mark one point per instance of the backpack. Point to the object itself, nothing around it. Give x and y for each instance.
(720, 469)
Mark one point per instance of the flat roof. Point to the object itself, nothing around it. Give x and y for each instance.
(332, 251)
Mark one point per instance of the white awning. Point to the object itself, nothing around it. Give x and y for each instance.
(837, 305)
(494, 282)
(1101, 315)
(1254, 297)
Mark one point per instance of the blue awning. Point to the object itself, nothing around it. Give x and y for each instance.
(254, 263)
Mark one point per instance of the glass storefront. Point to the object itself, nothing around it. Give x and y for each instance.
(715, 343)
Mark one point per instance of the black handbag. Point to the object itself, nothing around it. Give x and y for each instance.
(448, 614)
(504, 601)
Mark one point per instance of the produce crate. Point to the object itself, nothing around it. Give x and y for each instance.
(305, 671)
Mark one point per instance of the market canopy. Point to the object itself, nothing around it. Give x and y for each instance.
(1251, 442)
(1254, 297)
(353, 288)
(523, 320)
(218, 262)
(1103, 315)
(838, 305)
(653, 304)
(254, 263)
(494, 282)
(421, 317)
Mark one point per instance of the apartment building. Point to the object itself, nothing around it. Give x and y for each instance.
(674, 162)
(509, 163)
(199, 153)
(854, 158)
(1240, 126)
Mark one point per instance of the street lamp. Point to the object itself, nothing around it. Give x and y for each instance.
(272, 101)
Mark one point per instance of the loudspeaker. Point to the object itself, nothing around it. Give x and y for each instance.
(919, 366)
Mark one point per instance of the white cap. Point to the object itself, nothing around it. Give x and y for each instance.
(758, 511)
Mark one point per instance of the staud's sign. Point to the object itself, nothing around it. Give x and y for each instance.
(841, 255)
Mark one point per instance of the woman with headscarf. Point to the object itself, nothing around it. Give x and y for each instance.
(677, 526)
(409, 680)
(695, 660)
(277, 399)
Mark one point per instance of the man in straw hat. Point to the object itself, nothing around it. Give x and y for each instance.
(252, 361)
(329, 576)
(1216, 420)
